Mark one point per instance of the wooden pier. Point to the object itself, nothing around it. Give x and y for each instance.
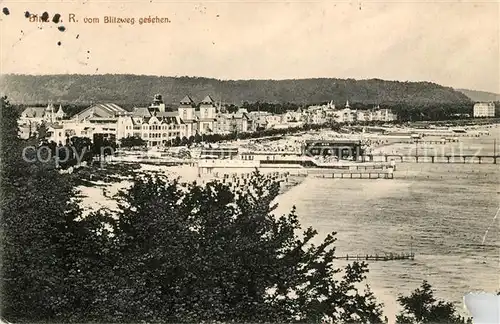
(373, 166)
(352, 174)
(463, 158)
(376, 257)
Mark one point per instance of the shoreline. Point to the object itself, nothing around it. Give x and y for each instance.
(94, 195)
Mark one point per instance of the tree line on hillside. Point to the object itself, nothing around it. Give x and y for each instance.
(123, 89)
(480, 96)
(173, 253)
(430, 112)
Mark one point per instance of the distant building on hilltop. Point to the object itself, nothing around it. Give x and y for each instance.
(484, 109)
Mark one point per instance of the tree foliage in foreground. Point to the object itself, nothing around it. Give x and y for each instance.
(208, 254)
(421, 307)
(41, 237)
(176, 253)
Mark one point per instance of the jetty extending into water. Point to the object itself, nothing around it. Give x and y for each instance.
(352, 174)
(376, 257)
(304, 166)
(458, 158)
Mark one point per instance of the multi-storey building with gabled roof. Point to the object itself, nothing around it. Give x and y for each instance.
(238, 122)
(32, 117)
(186, 110)
(157, 124)
(206, 116)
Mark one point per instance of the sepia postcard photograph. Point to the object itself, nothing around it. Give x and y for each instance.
(250, 161)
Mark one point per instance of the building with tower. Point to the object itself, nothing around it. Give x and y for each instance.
(206, 116)
(60, 114)
(50, 113)
(157, 123)
(186, 111)
(32, 117)
(157, 106)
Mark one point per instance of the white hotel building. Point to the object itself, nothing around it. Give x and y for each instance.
(318, 114)
(484, 109)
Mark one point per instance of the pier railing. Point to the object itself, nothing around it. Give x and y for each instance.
(376, 257)
(352, 174)
(426, 158)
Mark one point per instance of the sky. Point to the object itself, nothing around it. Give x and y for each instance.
(451, 43)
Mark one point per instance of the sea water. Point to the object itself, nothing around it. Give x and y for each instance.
(441, 212)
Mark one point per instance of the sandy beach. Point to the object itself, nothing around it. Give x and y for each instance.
(93, 198)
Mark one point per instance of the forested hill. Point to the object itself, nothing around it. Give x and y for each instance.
(480, 96)
(139, 89)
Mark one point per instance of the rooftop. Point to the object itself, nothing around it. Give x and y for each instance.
(207, 100)
(187, 100)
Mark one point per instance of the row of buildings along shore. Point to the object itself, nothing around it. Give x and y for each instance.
(159, 125)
